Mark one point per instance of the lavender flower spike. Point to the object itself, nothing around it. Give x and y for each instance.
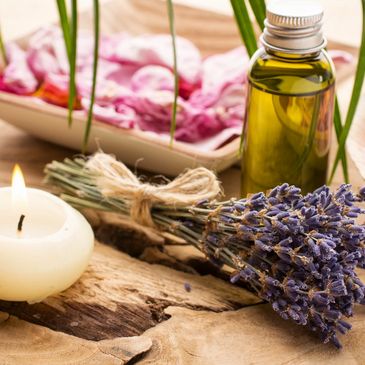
(297, 252)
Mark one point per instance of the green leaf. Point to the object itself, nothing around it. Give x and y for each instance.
(65, 26)
(2, 49)
(95, 69)
(247, 34)
(73, 55)
(259, 9)
(356, 91)
(244, 25)
(170, 11)
(311, 136)
(337, 120)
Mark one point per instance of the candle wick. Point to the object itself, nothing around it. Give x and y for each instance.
(20, 223)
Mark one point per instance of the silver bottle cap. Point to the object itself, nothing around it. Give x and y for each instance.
(294, 26)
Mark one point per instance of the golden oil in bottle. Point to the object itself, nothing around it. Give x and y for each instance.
(288, 126)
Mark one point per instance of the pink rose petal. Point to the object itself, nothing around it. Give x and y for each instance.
(201, 125)
(42, 63)
(122, 116)
(220, 72)
(224, 69)
(85, 46)
(155, 108)
(157, 50)
(113, 81)
(150, 78)
(107, 48)
(40, 56)
(17, 76)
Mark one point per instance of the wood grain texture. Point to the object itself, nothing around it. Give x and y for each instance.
(254, 335)
(27, 344)
(121, 296)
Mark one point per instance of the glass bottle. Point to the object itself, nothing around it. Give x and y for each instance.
(290, 104)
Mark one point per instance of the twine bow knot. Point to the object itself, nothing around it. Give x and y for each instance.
(116, 180)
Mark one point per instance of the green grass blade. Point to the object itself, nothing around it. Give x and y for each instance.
(259, 9)
(65, 26)
(356, 91)
(247, 34)
(244, 25)
(170, 11)
(73, 56)
(95, 69)
(2, 49)
(337, 120)
(311, 136)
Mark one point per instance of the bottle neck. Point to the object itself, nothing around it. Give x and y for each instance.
(295, 57)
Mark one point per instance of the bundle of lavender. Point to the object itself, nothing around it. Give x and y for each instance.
(297, 252)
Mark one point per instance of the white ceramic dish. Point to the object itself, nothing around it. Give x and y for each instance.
(49, 122)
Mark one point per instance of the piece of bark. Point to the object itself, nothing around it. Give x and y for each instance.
(158, 255)
(120, 296)
(193, 258)
(25, 343)
(252, 335)
(124, 229)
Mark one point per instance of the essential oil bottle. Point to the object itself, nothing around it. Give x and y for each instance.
(288, 125)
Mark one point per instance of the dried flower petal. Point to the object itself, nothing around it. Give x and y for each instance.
(17, 76)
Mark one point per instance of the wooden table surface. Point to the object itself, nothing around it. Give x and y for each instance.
(131, 305)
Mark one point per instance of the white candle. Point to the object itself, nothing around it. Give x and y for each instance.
(50, 252)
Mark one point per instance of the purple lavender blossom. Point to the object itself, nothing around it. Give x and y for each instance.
(297, 252)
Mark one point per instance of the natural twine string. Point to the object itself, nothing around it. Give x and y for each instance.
(115, 180)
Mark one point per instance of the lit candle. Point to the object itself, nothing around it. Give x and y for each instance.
(45, 244)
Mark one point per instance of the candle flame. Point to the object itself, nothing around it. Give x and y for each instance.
(19, 191)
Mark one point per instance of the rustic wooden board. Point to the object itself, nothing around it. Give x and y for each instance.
(120, 296)
(254, 335)
(28, 344)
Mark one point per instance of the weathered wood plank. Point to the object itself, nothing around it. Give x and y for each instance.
(253, 335)
(28, 344)
(121, 296)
